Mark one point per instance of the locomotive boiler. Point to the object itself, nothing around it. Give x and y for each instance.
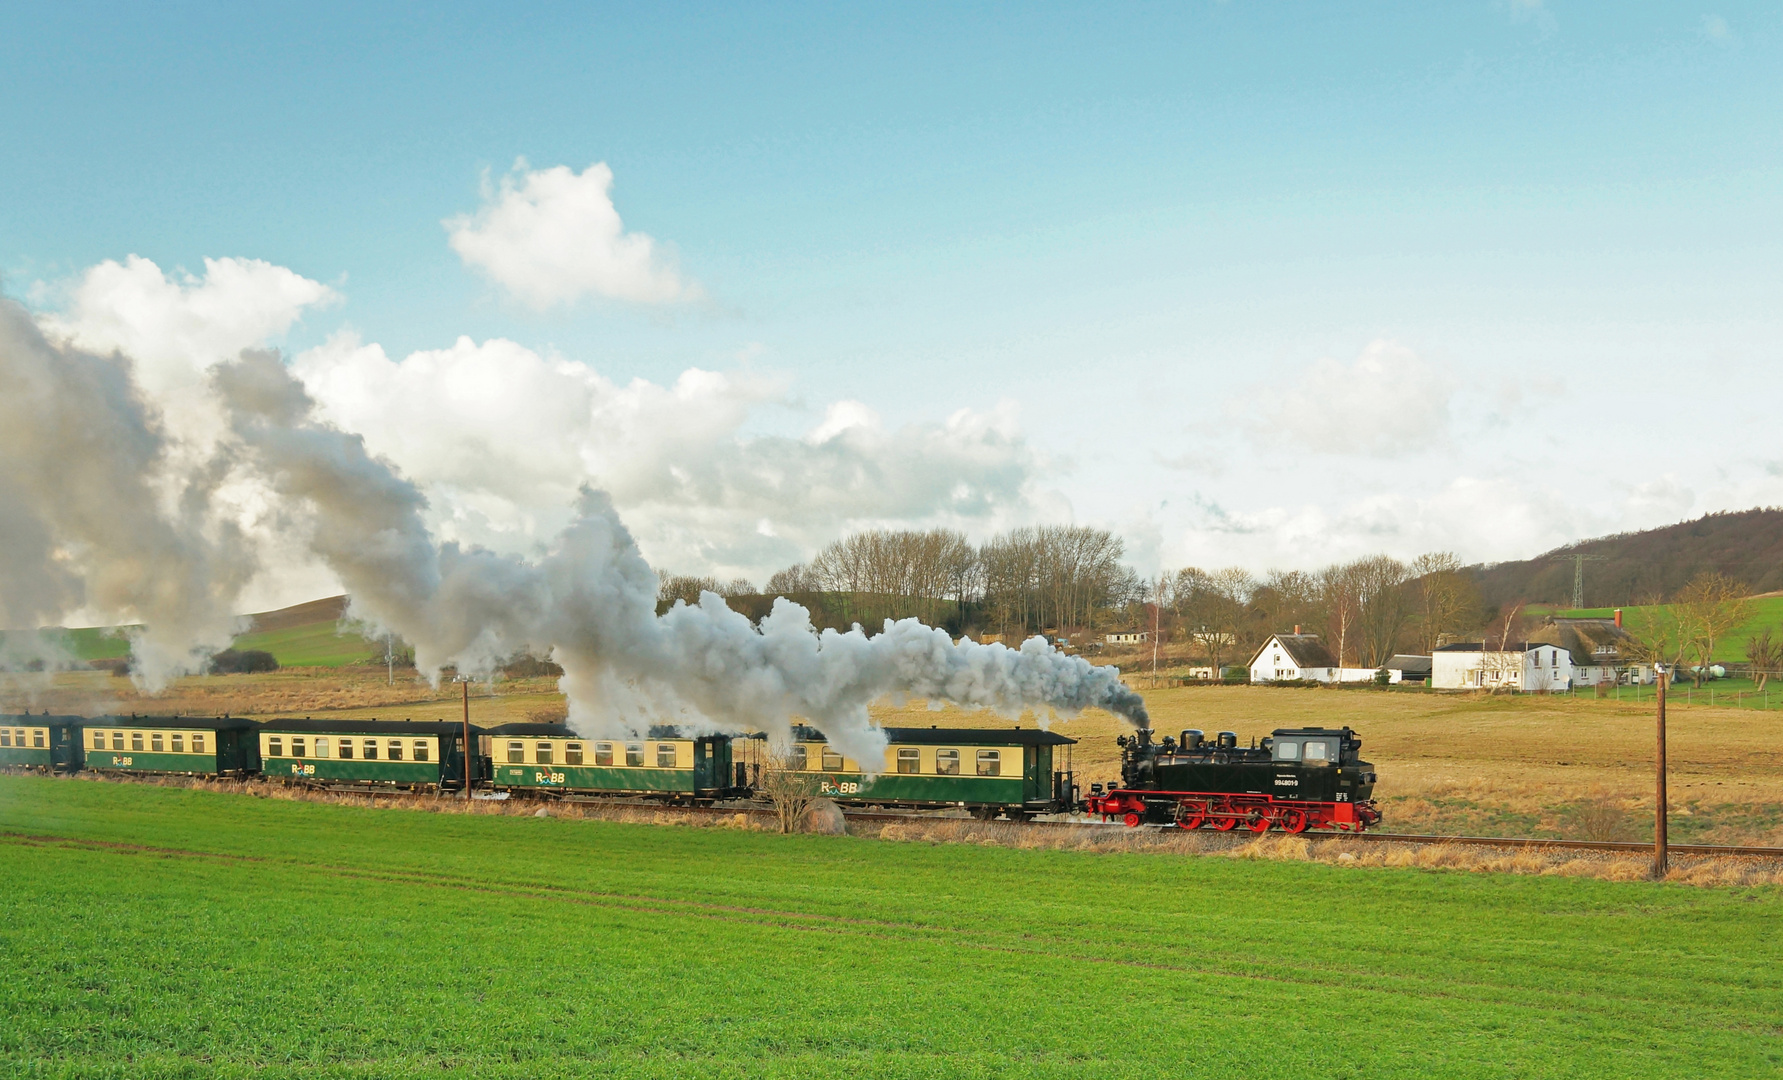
(1294, 779)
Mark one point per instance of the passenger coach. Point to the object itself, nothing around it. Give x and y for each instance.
(1017, 771)
(50, 743)
(183, 745)
(666, 763)
(418, 755)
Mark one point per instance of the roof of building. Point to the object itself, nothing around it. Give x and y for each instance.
(1409, 663)
(1479, 646)
(1306, 650)
(1584, 638)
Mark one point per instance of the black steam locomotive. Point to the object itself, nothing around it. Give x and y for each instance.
(1295, 779)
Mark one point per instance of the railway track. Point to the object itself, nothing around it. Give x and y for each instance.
(1522, 843)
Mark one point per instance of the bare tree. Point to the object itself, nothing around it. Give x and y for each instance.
(1341, 592)
(1765, 653)
(1213, 607)
(1707, 609)
(1444, 596)
(1383, 604)
(788, 788)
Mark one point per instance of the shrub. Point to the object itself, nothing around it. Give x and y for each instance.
(243, 662)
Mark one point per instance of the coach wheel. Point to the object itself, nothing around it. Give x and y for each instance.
(1293, 821)
(1131, 819)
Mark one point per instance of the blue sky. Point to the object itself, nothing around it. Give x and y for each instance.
(1158, 243)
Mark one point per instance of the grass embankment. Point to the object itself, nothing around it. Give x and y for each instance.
(1761, 612)
(286, 939)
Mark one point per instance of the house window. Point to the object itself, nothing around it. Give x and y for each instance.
(572, 753)
(665, 755)
(541, 753)
(179, 742)
(634, 754)
(909, 759)
(516, 753)
(832, 761)
(275, 746)
(947, 762)
(990, 763)
(603, 753)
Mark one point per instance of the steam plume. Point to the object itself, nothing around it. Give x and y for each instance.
(88, 517)
(590, 604)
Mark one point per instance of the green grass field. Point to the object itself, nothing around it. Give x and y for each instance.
(317, 644)
(161, 932)
(1762, 612)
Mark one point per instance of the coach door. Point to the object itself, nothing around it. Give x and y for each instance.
(65, 748)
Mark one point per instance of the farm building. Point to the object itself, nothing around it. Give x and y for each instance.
(1130, 638)
(1407, 668)
(1529, 666)
(1601, 650)
(1290, 657)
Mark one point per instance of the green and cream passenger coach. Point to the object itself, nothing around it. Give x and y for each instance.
(192, 745)
(1016, 771)
(663, 763)
(49, 743)
(419, 755)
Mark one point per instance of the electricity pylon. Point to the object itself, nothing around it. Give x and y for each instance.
(1579, 561)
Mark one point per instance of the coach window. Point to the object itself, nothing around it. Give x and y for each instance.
(1287, 751)
(117, 740)
(798, 763)
(321, 746)
(98, 740)
(516, 753)
(947, 762)
(990, 763)
(6, 737)
(572, 753)
(347, 749)
(603, 753)
(197, 743)
(369, 748)
(420, 749)
(136, 740)
(909, 759)
(297, 747)
(155, 743)
(541, 753)
(665, 755)
(1317, 752)
(37, 738)
(395, 749)
(634, 753)
(179, 742)
(832, 761)
(275, 746)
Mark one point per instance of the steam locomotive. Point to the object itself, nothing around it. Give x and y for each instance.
(1295, 779)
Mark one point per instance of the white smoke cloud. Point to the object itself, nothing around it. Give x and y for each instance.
(553, 236)
(1388, 402)
(89, 515)
(589, 602)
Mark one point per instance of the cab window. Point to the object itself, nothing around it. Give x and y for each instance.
(990, 763)
(603, 753)
(420, 749)
(665, 755)
(572, 753)
(516, 753)
(1318, 752)
(832, 761)
(634, 753)
(909, 759)
(541, 754)
(1287, 751)
(947, 762)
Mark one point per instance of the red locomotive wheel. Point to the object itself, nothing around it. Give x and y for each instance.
(1225, 821)
(1191, 821)
(1258, 824)
(1131, 820)
(1293, 821)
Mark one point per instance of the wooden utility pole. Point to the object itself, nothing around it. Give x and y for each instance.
(1659, 855)
(470, 747)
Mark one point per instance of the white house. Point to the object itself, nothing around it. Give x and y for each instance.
(1529, 666)
(1288, 657)
(1129, 638)
(1602, 651)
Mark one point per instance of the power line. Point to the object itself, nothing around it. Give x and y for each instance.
(1579, 560)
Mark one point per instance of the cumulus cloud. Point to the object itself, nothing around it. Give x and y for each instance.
(501, 436)
(1389, 401)
(552, 236)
